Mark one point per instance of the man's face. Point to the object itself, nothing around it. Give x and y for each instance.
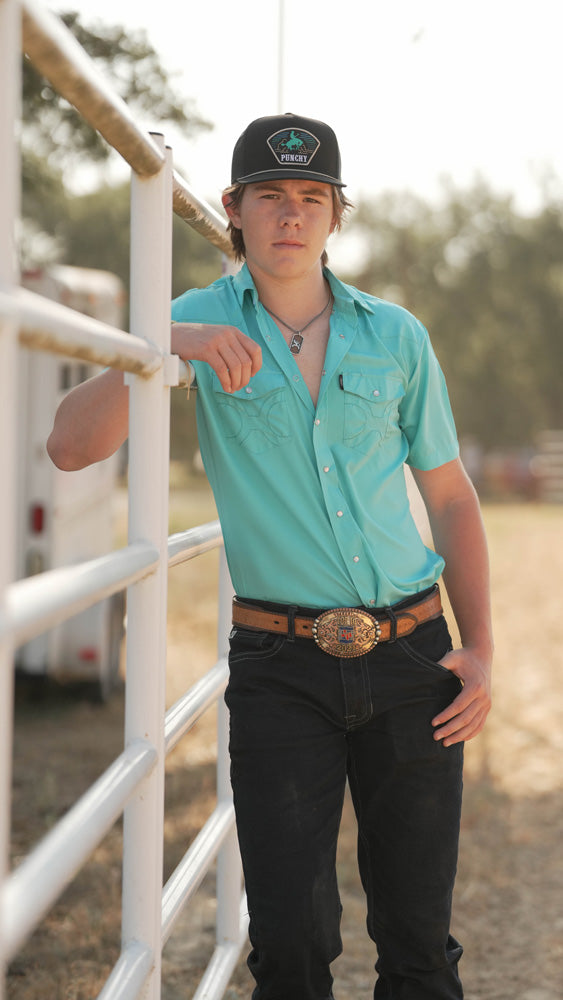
(285, 224)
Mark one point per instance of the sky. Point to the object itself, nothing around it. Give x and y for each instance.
(416, 90)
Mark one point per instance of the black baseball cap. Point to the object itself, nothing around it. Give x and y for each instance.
(281, 146)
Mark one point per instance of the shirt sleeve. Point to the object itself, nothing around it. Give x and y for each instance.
(425, 412)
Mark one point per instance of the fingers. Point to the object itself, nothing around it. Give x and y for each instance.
(465, 717)
(233, 356)
(234, 365)
(463, 725)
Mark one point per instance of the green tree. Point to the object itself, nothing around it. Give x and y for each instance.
(488, 284)
(95, 227)
(54, 130)
(56, 140)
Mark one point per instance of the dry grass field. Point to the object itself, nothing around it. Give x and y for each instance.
(508, 907)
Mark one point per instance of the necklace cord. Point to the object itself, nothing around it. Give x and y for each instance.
(303, 328)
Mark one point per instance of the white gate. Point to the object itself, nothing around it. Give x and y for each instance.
(134, 783)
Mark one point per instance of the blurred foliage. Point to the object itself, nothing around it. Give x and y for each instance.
(94, 230)
(55, 131)
(57, 141)
(487, 282)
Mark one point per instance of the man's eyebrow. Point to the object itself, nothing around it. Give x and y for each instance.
(307, 188)
(318, 191)
(267, 186)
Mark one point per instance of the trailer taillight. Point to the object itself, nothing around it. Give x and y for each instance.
(88, 654)
(37, 518)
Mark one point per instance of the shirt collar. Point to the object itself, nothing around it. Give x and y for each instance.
(347, 299)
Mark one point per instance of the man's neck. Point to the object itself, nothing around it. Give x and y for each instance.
(294, 299)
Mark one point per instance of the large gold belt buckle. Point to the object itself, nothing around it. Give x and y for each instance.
(346, 632)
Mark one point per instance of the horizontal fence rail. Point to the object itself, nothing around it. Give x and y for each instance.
(188, 709)
(43, 601)
(194, 542)
(55, 52)
(132, 785)
(49, 326)
(129, 974)
(40, 879)
(196, 862)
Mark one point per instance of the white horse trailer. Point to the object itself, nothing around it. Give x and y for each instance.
(66, 517)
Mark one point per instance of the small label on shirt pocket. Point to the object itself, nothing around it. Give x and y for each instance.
(371, 408)
(256, 416)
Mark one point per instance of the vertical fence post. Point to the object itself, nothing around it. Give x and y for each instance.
(151, 222)
(229, 868)
(10, 49)
(229, 878)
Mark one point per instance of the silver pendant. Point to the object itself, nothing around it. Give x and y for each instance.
(296, 343)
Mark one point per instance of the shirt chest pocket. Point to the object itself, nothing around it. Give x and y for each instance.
(371, 408)
(256, 417)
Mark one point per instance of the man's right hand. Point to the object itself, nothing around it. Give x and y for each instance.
(233, 356)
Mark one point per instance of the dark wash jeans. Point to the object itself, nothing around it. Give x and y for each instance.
(301, 722)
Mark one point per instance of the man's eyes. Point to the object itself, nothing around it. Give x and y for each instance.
(274, 195)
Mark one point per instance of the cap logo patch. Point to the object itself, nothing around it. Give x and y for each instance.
(293, 146)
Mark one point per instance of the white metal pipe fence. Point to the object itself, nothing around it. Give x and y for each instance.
(133, 785)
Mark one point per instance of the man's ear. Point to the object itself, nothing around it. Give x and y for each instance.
(233, 214)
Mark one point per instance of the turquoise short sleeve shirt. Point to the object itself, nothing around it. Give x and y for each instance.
(312, 500)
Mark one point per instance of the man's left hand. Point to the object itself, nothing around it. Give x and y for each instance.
(465, 717)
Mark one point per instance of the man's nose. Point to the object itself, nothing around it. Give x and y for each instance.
(291, 213)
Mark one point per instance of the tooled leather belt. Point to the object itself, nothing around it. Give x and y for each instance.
(342, 632)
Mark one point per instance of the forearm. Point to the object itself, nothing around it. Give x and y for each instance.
(91, 422)
(459, 537)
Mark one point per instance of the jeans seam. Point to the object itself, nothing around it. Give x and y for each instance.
(370, 901)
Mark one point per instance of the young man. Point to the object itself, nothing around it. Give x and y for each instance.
(311, 398)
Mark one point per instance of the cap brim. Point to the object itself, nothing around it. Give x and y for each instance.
(283, 173)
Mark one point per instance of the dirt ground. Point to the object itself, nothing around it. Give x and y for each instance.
(509, 898)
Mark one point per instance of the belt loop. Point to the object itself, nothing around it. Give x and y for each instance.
(291, 612)
(393, 619)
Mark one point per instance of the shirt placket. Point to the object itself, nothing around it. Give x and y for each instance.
(347, 534)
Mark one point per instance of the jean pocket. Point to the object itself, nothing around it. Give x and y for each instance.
(428, 645)
(251, 644)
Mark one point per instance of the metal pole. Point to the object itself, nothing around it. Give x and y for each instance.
(151, 222)
(229, 870)
(229, 876)
(281, 55)
(10, 88)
